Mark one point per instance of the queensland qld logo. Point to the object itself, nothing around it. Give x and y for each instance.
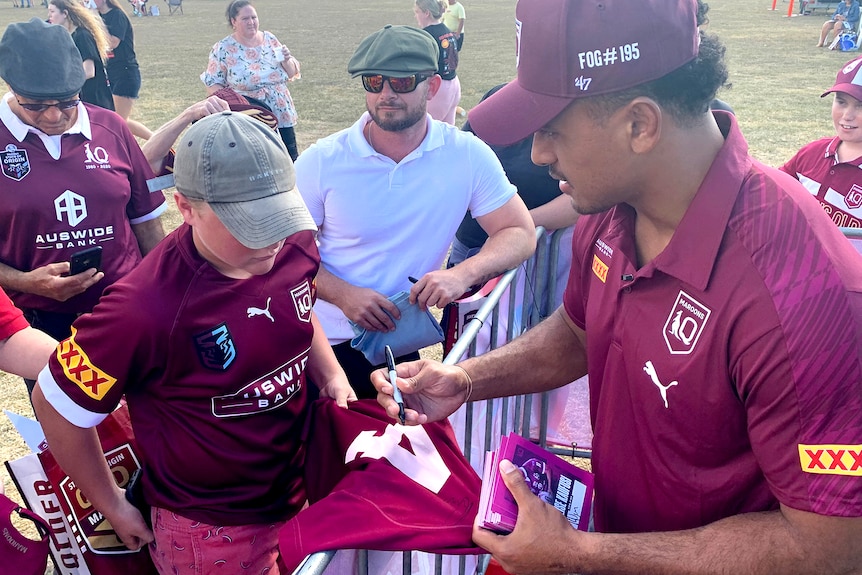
(302, 301)
(15, 162)
(96, 156)
(685, 323)
(215, 347)
(853, 199)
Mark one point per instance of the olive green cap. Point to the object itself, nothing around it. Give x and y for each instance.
(397, 51)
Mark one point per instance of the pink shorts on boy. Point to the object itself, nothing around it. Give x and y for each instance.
(183, 546)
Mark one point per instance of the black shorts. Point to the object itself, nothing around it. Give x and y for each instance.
(125, 81)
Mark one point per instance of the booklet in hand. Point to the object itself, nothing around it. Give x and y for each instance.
(553, 479)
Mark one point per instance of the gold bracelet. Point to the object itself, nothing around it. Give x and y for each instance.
(469, 383)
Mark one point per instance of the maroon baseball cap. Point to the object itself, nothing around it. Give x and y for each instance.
(849, 79)
(570, 49)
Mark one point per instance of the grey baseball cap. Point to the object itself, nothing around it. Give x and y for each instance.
(40, 61)
(241, 168)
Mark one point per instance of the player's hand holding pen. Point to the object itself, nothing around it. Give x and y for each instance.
(393, 377)
(430, 391)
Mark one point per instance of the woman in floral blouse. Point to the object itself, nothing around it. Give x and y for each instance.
(255, 64)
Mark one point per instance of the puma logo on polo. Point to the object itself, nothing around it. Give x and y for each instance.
(649, 368)
(253, 311)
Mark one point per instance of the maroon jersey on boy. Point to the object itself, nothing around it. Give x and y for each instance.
(837, 185)
(725, 374)
(377, 485)
(89, 196)
(11, 319)
(213, 369)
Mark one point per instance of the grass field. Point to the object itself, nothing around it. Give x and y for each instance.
(777, 77)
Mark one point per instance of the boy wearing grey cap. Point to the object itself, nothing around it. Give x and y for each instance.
(73, 179)
(715, 307)
(388, 194)
(213, 342)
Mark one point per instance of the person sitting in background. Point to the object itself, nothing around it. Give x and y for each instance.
(91, 38)
(24, 351)
(139, 7)
(255, 64)
(831, 168)
(56, 200)
(845, 17)
(442, 106)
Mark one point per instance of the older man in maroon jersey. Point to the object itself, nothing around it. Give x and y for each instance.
(73, 178)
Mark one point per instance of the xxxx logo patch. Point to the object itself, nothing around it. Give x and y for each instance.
(79, 369)
(600, 268)
(831, 459)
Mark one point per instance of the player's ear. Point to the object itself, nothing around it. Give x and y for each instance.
(643, 118)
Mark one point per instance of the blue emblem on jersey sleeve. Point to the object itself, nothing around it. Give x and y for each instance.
(215, 347)
(15, 162)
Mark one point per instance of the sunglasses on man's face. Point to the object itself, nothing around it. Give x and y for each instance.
(374, 82)
(63, 106)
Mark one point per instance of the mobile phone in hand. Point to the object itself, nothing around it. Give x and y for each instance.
(135, 495)
(85, 259)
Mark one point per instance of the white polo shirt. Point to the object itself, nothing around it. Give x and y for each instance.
(382, 221)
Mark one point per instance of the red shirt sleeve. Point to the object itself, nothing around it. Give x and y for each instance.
(11, 318)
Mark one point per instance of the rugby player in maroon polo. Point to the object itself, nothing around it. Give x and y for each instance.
(714, 305)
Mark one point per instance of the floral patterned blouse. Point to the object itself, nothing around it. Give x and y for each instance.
(253, 72)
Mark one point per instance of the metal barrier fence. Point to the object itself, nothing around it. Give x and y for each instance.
(542, 269)
(537, 279)
(852, 233)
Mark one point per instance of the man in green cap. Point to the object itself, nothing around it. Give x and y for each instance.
(388, 193)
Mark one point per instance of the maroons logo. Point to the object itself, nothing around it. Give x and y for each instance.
(684, 324)
(302, 301)
(853, 199)
(15, 162)
(215, 347)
